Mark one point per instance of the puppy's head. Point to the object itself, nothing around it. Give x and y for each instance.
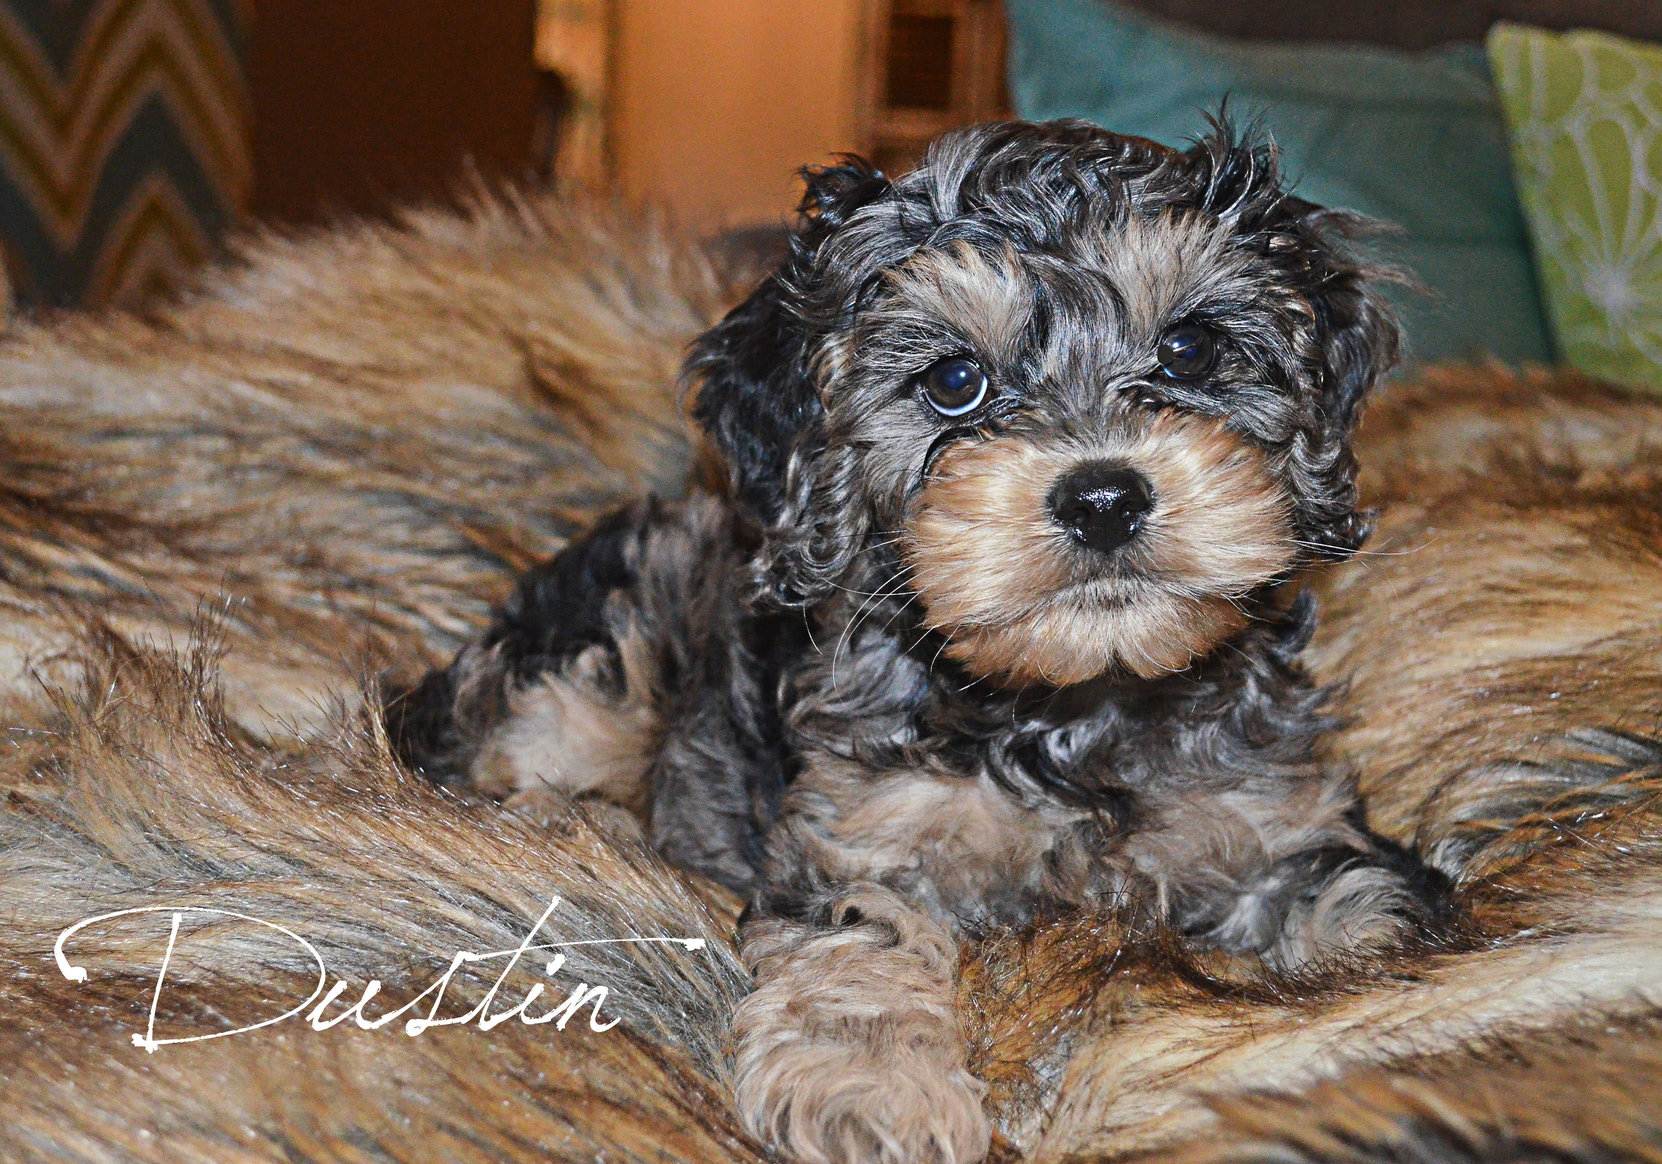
(1092, 396)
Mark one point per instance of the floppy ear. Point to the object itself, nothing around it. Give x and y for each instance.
(1355, 325)
(1359, 340)
(755, 397)
(1356, 333)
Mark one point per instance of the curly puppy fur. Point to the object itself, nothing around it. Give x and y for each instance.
(897, 685)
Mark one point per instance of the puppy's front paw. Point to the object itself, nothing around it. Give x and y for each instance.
(849, 1050)
(826, 1101)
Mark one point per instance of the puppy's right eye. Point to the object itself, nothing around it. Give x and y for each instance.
(955, 386)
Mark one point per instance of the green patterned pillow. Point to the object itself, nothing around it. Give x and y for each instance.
(1585, 111)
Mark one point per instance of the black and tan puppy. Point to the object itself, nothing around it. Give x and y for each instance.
(1025, 449)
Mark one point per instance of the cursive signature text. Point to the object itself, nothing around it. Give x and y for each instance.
(323, 996)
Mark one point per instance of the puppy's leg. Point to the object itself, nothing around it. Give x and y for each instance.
(566, 693)
(1287, 870)
(850, 1049)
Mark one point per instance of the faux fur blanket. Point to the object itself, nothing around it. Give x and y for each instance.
(220, 525)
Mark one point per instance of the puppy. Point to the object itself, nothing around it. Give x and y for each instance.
(1026, 450)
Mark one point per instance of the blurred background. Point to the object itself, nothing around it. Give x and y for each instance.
(134, 133)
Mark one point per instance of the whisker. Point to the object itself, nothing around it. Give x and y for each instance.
(1361, 553)
(896, 580)
(944, 641)
(910, 598)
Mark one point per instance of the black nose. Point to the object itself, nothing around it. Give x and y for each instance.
(1102, 505)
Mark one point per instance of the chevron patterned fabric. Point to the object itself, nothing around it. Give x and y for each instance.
(124, 147)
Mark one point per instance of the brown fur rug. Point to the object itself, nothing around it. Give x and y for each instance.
(220, 523)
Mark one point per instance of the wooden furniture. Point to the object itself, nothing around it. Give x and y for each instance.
(927, 66)
(360, 105)
(576, 47)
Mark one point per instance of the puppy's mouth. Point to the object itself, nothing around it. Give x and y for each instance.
(1056, 562)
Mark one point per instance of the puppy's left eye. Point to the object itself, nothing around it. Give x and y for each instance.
(1187, 352)
(955, 386)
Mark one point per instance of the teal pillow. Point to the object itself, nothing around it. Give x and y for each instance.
(1415, 139)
